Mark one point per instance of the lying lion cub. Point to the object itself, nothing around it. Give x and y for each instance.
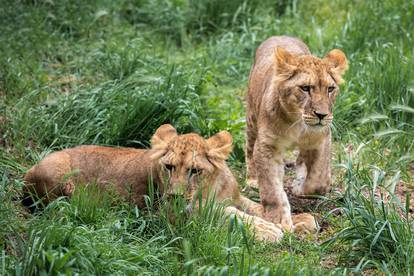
(187, 161)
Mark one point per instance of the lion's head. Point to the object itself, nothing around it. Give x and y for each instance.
(308, 85)
(189, 160)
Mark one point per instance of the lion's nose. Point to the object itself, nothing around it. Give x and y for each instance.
(176, 189)
(320, 115)
(175, 193)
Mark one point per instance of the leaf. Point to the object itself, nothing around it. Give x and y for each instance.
(373, 118)
(393, 182)
(374, 241)
(100, 14)
(387, 132)
(402, 108)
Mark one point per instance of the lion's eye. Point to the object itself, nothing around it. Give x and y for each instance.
(195, 171)
(305, 88)
(331, 89)
(169, 167)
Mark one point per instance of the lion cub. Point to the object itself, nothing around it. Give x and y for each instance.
(290, 104)
(187, 162)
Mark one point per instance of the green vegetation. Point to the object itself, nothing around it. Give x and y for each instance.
(110, 72)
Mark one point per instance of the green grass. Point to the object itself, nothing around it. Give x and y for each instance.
(378, 228)
(110, 73)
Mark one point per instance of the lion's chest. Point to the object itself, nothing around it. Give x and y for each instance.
(312, 140)
(302, 137)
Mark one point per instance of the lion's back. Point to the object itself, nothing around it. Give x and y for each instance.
(88, 164)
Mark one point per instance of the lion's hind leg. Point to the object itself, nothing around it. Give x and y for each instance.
(251, 136)
(49, 179)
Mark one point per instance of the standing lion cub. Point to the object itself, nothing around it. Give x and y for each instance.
(290, 101)
(188, 162)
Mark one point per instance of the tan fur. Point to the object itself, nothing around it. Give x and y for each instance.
(281, 115)
(304, 224)
(187, 162)
(127, 170)
(179, 155)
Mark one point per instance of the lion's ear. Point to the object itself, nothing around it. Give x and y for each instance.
(220, 146)
(336, 59)
(161, 138)
(284, 62)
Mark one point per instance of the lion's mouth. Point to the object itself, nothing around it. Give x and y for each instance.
(316, 122)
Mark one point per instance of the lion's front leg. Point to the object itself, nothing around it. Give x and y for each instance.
(316, 163)
(264, 230)
(270, 171)
(251, 207)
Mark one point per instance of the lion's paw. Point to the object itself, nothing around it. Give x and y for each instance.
(279, 217)
(252, 183)
(304, 223)
(267, 231)
(68, 188)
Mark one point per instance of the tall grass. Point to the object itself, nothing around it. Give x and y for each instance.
(116, 112)
(98, 237)
(192, 20)
(379, 228)
(379, 96)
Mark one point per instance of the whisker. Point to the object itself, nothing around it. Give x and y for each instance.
(294, 124)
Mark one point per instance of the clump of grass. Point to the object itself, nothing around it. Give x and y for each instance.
(377, 104)
(378, 230)
(119, 61)
(90, 204)
(85, 234)
(10, 220)
(92, 236)
(117, 113)
(380, 78)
